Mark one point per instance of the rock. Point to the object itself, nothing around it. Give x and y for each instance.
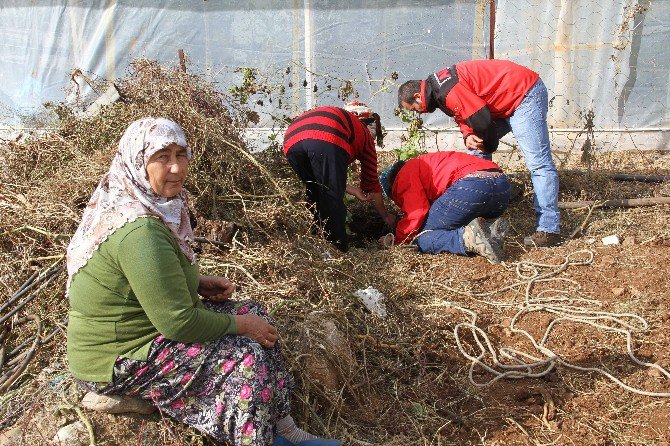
(74, 434)
(116, 404)
(629, 241)
(618, 292)
(635, 292)
(329, 359)
(666, 316)
(11, 437)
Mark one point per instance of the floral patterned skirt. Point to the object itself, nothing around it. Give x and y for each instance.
(231, 389)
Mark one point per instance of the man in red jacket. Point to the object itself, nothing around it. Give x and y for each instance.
(319, 145)
(444, 197)
(488, 99)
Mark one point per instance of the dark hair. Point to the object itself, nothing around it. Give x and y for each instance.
(407, 90)
(394, 171)
(379, 135)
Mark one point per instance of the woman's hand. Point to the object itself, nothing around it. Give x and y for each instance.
(357, 192)
(256, 328)
(216, 288)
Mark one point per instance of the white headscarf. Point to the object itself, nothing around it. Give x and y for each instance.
(125, 194)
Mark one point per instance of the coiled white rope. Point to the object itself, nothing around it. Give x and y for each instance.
(518, 364)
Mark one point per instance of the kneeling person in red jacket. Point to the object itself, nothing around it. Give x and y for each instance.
(319, 145)
(442, 197)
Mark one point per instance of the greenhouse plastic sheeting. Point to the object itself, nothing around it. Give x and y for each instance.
(611, 58)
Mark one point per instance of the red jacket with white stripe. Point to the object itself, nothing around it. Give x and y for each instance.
(476, 92)
(345, 130)
(422, 180)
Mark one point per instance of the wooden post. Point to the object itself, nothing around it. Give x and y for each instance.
(492, 28)
(182, 60)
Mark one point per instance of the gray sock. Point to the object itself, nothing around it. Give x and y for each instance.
(286, 428)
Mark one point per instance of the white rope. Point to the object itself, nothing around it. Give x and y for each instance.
(511, 363)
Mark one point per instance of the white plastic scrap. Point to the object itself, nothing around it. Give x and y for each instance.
(611, 240)
(373, 300)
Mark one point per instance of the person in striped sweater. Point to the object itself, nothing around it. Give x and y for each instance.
(319, 145)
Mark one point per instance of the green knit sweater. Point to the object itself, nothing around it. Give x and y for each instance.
(138, 284)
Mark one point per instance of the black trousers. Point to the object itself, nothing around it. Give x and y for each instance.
(322, 166)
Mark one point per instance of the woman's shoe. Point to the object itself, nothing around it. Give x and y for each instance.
(281, 441)
(116, 404)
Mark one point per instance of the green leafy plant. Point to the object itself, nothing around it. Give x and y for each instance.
(414, 143)
(589, 145)
(248, 87)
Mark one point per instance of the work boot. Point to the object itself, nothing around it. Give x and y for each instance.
(542, 239)
(498, 228)
(477, 240)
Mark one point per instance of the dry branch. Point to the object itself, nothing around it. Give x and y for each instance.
(642, 178)
(619, 203)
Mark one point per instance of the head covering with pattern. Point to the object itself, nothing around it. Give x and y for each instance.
(125, 194)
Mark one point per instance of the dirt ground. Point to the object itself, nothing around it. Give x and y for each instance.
(408, 382)
(565, 405)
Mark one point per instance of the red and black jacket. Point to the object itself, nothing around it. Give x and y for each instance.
(422, 180)
(343, 129)
(477, 92)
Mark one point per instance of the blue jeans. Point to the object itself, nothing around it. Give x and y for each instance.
(465, 200)
(528, 123)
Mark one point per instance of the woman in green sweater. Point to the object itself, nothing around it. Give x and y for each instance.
(137, 326)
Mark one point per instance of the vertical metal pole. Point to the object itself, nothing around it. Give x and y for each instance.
(110, 43)
(309, 55)
(479, 30)
(206, 42)
(296, 58)
(492, 28)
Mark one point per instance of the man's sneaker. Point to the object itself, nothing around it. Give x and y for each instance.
(542, 239)
(498, 228)
(477, 240)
